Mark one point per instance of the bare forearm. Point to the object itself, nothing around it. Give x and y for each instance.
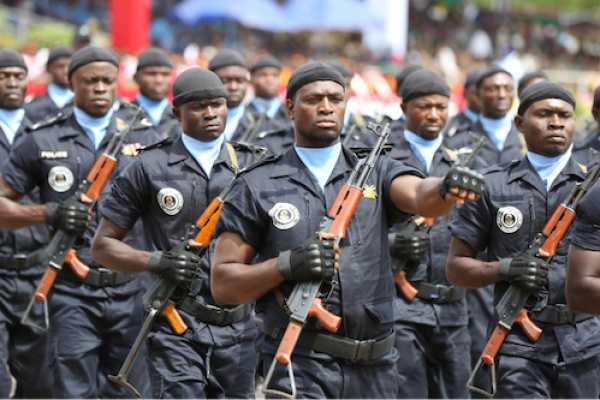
(583, 280)
(114, 254)
(471, 273)
(429, 203)
(14, 215)
(236, 283)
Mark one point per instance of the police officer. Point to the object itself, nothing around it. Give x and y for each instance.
(168, 187)
(495, 89)
(231, 68)
(465, 120)
(529, 79)
(153, 77)
(264, 76)
(432, 337)
(520, 198)
(93, 323)
(22, 255)
(592, 137)
(398, 124)
(273, 212)
(59, 98)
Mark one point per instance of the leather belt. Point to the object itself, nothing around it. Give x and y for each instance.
(558, 314)
(439, 294)
(212, 314)
(339, 346)
(98, 277)
(19, 262)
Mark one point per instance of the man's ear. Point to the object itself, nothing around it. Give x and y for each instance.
(289, 107)
(177, 113)
(519, 123)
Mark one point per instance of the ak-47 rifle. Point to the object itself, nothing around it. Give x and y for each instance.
(421, 224)
(60, 250)
(158, 298)
(511, 307)
(249, 135)
(305, 301)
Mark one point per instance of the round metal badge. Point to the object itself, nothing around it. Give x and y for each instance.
(509, 219)
(170, 200)
(284, 215)
(60, 178)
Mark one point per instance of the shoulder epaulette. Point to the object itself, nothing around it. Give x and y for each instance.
(267, 160)
(500, 167)
(48, 122)
(258, 151)
(264, 134)
(156, 145)
(451, 154)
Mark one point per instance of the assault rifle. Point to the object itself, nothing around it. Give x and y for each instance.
(249, 135)
(409, 292)
(305, 301)
(158, 298)
(511, 307)
(60, 250)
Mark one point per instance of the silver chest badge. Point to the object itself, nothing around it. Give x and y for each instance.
(509, 219)
(170, 200)
(284, 215)
(60, 178)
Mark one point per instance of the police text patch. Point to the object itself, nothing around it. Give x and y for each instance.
(53, 155)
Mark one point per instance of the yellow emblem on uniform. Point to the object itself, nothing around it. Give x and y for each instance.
(131, 149)
(121, 125)
(369, 192)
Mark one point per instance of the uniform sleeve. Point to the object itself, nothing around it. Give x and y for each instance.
(241, 215)
(471, 224)
(21, 171)
(585, 232)
(393, 170)
(128, 196)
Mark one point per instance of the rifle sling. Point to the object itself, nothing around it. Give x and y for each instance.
(212, 314)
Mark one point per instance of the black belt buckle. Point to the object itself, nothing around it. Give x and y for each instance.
(106, 277)
(443, 294)
(18, 261)
(565, 315)
(364, 349)
(217, 316)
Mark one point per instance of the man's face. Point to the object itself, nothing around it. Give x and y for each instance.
(473, 102)
(58, 71)
(95, 87)
(266, 82)
(496, 93)
(426, 115)
(318, 113)
(548, 127)
(203, 119)
(154, 81)
(236, 80)
(13, 85)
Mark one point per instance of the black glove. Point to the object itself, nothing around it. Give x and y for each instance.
(527, 271)
(314, 259)
(409, 244)
(71, 215)
(464, 178)
(176, 266)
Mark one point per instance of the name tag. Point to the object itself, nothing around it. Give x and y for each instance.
(53, 155)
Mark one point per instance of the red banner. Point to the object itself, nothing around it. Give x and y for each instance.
(130, 25)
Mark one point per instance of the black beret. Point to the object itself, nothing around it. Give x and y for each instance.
(473, 77)
(596, 98)
(59, 52)
(406, 72)
(154, 57)
(264, 62)
(530, 76)
(541, 91)
(196, 83)
(422, 83)
(11, 58)
(310, 72)
(226, 58)
(340, 66)
(491, 70)
(90, 54)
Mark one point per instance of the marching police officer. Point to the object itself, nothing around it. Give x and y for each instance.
(93, 322)
(168, 186)
(22, 255)
(153, 77)
(59, 98)
(432, 337)
(266, 240)
(465, 120)
(519, 200)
